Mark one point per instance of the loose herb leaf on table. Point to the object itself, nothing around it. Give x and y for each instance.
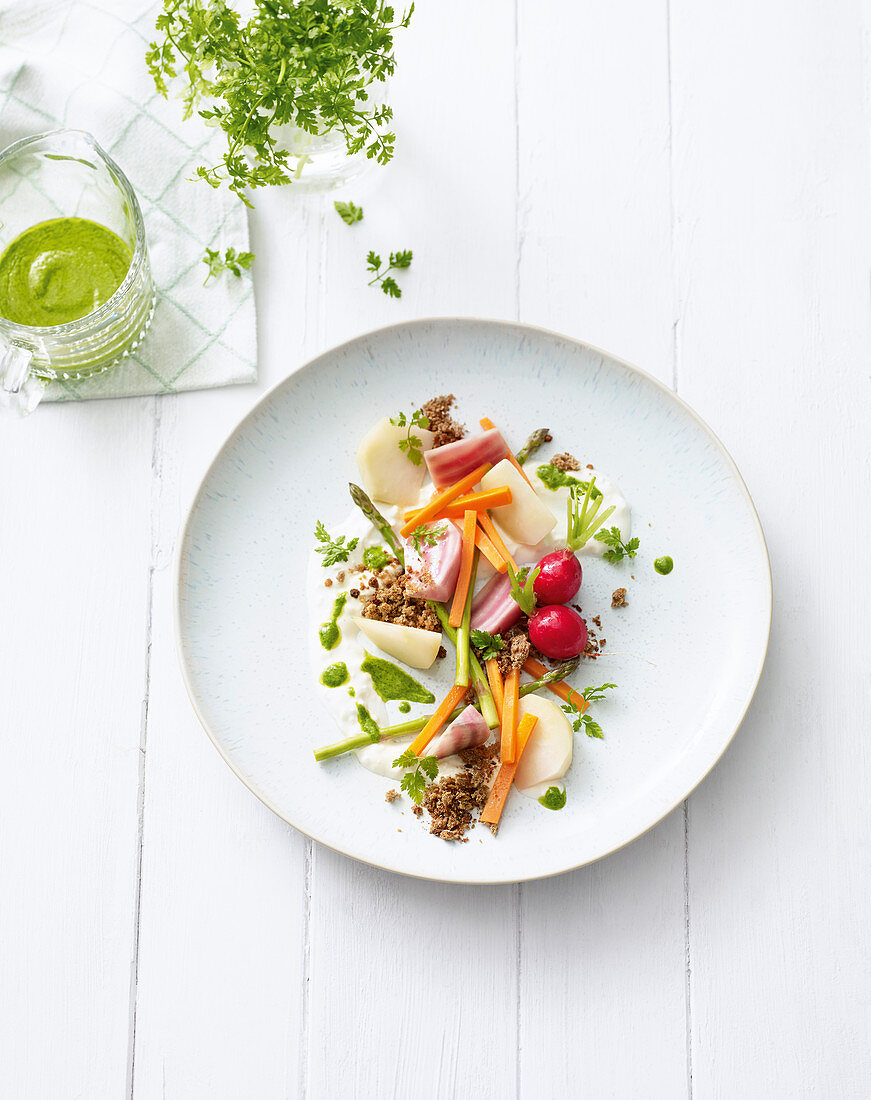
(398, 262)
(348, 212)
(231, 261)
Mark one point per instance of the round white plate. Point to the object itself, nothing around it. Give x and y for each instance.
(686, 653)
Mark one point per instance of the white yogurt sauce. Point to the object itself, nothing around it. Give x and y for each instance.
(378, 757)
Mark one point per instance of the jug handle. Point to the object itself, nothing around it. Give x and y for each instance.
(20, 390)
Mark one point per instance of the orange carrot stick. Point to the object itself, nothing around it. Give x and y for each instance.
(510, 708)
(559, 687)
(493, 535)
(441, 715)
(505, 776)
(438, 502)
(489, 551)
(494, 678)
(462, 589)
(487, 498)
(488, 425)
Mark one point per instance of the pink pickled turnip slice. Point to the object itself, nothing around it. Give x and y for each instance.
(466, 731)
(433, 570)
(494, 608)
(449, 463)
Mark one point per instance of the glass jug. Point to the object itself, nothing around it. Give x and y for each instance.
(65, 174)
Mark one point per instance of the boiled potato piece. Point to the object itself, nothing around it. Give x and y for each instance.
(548, 754)
(527, 519)
(388, 473)
(409, 644)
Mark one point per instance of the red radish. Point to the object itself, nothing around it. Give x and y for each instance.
(466, 731)
(448, 464)
(494, 608)
(432, 570)
(559, 579)
(558, 632)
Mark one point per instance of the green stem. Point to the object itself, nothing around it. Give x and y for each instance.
(463, 674)
(479, 678)
(539, 436)
(359, 740)
(376, 519)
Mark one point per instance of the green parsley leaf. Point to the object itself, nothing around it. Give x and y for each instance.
(522, 590)
(310, 64)
(423, 534)
(583, 721)
(333, 550)
(414, 782)
(398, 262)
(553, 798)
(487, 644)
(231, 261)
(412, 445)
(596, 694)
(619, 549)
(348, 212)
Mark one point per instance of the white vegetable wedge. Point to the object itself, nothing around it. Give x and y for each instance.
(409, 644)
(387, 472)
(548, 754)
(527, 519)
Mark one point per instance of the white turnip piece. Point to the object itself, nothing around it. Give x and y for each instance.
(466, 731)
(432, 571)
(527, 519)
(494, 609)
(449, 463)
(388, 473)
(548, 753)
(409, 644)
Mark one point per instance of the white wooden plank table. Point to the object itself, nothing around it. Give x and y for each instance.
(687, 187)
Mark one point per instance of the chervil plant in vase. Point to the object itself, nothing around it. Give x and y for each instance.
(297, 86)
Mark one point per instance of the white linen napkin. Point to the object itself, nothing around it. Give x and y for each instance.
(79, 64)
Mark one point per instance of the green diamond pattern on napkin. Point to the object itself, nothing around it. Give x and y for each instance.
(80, 65)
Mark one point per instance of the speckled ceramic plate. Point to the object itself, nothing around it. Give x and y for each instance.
(686, 653)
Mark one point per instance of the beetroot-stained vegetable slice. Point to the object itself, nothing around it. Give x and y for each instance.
(466, 731)
(494, 609)
(433, 570)
(449, 463)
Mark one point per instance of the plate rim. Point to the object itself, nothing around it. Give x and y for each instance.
(520, 327)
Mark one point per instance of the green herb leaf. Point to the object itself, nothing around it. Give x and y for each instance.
(423, 534)
(522, 590)
(596, 694)
(348, 212)
(398, 261)
(619, 549)
(231, 261)
(553, 798)
(414, 782)
(489, 645)
(333, 550)
(412, 445)
(310, 65)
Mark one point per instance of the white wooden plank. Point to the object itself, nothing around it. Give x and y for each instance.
(772, 249)
(413, 985)
(602, 980)
(223, 916)
(74, 542)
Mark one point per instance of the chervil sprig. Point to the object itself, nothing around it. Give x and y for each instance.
(310, 64)
(619, 548)
(398, 262)
(522, 590)
(583, 515)
(412, 445)
(414, 782)
(333, 550)
(231, 261)
(488, 645)
(584, 721)
(348, 212)
(424, 535)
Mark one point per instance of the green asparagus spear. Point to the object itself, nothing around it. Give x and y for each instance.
(539, 436)
(374, 516)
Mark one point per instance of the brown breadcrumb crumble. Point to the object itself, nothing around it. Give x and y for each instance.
(391, 796)
(452, 802)
(389, 603)
(441, 423)
(515, 647)
(565, 462)
(618, 598)
(591, 649)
